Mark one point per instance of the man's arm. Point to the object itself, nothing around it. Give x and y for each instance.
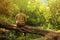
(17, 15)
(25, 18)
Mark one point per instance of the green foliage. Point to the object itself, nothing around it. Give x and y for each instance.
(47, 15)
(10, 35)
(55, 12)
(29, 36)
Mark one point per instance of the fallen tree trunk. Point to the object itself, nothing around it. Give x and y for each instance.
(26, 29)
(2, 37)
(29, 29)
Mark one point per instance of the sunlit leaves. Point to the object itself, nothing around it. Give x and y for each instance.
(54, 6)
(58, 19)
(32, 5)
(13, 8)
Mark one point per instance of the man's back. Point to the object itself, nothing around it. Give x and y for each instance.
(21, 19)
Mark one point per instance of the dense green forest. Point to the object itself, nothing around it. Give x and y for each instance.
(43, 14)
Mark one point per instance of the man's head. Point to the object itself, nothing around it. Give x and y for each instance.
(21, 9)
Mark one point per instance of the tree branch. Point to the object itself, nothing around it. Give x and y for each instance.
(26, 29)
(30, 29)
